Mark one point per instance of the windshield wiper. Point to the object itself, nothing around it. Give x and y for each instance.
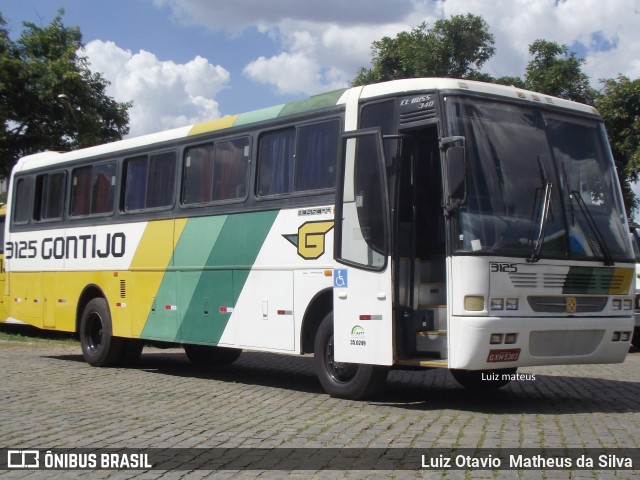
(544, 215)
(606, 253)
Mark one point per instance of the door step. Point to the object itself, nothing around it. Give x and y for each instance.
(432, 342)
(422, 362)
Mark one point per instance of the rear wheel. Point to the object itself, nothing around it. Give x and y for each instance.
(635, 340)
(483, 379)
(345, 380)
(99, 347)
(208, 356)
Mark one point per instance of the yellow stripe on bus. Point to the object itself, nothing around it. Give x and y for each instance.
(213, 125)
(149, 264)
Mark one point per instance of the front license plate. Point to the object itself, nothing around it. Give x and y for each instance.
(503, 355)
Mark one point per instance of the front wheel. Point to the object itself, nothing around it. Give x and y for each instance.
(353, 381)
(99, 347)
(484, 379)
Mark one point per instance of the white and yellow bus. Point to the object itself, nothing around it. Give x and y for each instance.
(415, 223)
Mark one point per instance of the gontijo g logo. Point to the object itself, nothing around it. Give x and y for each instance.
(310, 239)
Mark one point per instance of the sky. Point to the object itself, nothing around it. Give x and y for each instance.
(185, 61)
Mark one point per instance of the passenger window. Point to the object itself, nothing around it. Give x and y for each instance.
(276, 162)
(93, 189)
(22, 200)
(298, 160)
(50, 194)
(317, 155)
(216, 172)
(231, 162)
(149, 181)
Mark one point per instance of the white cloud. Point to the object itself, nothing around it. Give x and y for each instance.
(290, 73)
(238, 15)
(517, 23)
(324, 44)
(165, 95)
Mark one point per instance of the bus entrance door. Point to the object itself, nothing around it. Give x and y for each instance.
(362, 298)
(419, 248)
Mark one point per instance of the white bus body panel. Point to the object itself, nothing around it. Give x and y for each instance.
(363, 318)
(543, 337)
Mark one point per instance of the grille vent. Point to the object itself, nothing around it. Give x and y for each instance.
(417, 117)
(558, 304)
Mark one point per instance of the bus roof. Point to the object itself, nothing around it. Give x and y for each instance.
(324, 100)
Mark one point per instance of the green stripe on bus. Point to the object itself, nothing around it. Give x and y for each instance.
(322, 100)
(588, 280)
(258, 115)
(211, 264)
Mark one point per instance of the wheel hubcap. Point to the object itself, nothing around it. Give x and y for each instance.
(93, 335)
(339, 372)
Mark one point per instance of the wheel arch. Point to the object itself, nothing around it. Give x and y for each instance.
(319, 306)
(90, 292)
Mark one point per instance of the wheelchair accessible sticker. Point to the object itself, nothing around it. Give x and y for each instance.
(340, 278)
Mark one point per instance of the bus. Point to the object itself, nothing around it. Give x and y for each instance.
(3, 306)
(635, 234)
(417, 223)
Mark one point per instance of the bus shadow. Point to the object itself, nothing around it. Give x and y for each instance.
(412, 390)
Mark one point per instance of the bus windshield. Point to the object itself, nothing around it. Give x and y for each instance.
(539, 184)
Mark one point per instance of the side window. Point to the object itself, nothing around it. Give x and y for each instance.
(149, 181)
(362, 219)
(276, 162)
(22, 200)
(198, 175)
(93, 189)
(50, 194)
(2, 222)
(231, 162)
(317, 156)
(216, 172)
(161, 180)
(298, 160)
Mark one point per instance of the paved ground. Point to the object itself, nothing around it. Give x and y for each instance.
(52, 399)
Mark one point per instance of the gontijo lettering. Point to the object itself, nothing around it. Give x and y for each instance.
(69, 247)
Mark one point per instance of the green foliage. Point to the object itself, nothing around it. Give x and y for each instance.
(49, 98)
(452, 48)
(556, 71)
(619, 106)
(457, 48)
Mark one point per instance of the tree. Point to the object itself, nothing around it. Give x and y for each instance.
(556, 71)
(49, 98)
(452, 48)
(619, 106)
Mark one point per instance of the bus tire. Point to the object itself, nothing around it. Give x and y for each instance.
(209, 356)
(483, 379)
(99, 347)
(353, 381)
(131, 351)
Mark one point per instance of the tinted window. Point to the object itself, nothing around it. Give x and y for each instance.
(22, 200)
(93, 189)
(50, 193)
(216, 172)
(299, 160)
(316, 156)
(275, 157)
(150, 181)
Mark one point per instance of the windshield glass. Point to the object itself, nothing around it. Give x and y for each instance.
(539, 184)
